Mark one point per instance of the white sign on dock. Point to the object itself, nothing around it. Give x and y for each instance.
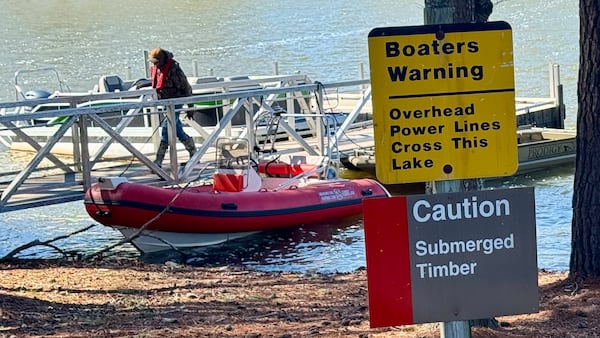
(443, 102)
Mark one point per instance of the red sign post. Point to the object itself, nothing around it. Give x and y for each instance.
(390, 293)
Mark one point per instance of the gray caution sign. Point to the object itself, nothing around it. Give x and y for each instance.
(472, 254)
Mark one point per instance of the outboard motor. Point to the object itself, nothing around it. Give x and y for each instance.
(37, 94)
(140, 83)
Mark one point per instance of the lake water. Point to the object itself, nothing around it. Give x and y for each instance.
(326, 40)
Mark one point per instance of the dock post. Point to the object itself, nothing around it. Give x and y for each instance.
(195, 68)
(361, 75)
(146, 65)
(76, 140)
(556, 93)
(554, 81)
(172, 137)
(319, 121)
(85, 153)
(561, 107)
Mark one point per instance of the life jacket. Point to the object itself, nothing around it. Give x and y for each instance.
(158, 80)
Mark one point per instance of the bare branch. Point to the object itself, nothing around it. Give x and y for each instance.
(11, 255)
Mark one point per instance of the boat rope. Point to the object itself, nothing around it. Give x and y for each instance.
(275, 160)
(198, 177)
(136, 234)
(321, 87)
(321, 167)
(132, 159)
(99, 211)
(271, 119)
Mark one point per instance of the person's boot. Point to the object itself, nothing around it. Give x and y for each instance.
(160, 153)
(190, 146)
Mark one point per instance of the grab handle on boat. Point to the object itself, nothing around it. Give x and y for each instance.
(229, 206)
(367, 192)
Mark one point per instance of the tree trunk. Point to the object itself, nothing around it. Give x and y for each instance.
(454, 11)
(585, 228)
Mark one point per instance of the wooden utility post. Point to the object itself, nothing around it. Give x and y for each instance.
(457, 11)
(445, 12)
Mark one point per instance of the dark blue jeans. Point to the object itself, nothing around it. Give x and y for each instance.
(181, 135)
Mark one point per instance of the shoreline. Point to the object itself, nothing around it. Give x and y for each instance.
(129, 298)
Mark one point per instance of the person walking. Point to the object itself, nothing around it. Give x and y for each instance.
(170, 81)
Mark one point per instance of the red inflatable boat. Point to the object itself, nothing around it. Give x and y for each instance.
(236, 204)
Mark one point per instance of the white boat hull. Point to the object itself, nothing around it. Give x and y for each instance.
(545, 148)
(154, 241)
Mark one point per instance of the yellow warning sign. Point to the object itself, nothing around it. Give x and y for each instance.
(443, 102)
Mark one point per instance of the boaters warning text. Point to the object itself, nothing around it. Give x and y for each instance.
(443, 102)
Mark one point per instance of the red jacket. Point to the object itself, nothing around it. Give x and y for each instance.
(170, 81)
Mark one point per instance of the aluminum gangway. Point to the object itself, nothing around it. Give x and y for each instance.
(74, 117)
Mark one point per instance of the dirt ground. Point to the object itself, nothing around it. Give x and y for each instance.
(132, 299)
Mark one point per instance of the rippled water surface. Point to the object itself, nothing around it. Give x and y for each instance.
(325, 39)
